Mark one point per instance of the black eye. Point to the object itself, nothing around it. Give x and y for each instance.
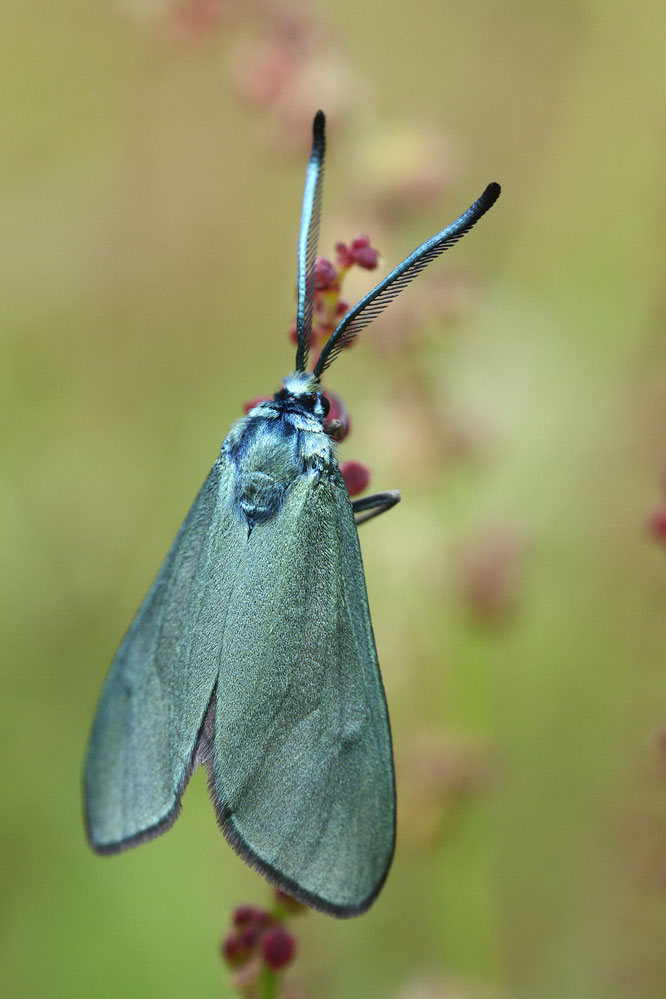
(325, 405)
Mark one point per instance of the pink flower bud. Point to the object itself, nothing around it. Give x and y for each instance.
(358, 252)
(363, 254)
(249, 915)
(248, 936)
(490, 573)
(356, 476)
(325, 275)
(278, 947)
(265, 70)
(193, 21)
(343, 255)
(234, 951)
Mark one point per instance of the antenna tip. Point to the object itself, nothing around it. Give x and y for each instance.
(492, 193)
(318, 125)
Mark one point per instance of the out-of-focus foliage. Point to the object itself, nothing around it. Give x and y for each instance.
(151, 180)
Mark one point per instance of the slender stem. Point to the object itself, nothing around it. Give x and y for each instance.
(268, 984)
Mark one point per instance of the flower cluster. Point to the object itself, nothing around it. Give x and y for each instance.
(329, 308)
(358, 252)
(190, 22)
(259, 946)
(489, 573)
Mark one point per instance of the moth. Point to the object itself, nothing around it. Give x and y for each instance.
(253, 653)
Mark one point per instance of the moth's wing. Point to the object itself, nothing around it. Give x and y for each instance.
(142, 744)
(302, 766)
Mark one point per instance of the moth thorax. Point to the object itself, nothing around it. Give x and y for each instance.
(259, 496)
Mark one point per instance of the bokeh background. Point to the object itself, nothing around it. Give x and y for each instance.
(152, 172)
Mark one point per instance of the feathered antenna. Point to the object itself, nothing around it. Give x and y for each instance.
(308, 237)
(376, 301)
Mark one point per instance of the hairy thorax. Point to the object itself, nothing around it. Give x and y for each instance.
(276, 443)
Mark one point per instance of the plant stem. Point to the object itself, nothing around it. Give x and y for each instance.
(268, 984)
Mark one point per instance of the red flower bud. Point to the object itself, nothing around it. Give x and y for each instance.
(358, 252)
(248, 936)
(356, 476)
(363, 254)
(325, 275)
(249, 915)
(278, 947)
(343, 255)
(367, 258)
(234, 951)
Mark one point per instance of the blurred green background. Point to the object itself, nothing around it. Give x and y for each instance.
(152, 171)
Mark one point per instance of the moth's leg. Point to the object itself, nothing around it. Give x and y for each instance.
(371, 506)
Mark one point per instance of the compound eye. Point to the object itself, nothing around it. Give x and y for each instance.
(325, 405)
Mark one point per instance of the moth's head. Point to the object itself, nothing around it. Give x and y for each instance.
(304, 388)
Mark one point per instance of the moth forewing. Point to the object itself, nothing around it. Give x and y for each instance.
(303, 775)
(144, 736)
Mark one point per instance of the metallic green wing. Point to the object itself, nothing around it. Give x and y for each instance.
(144, 736)
(301, 770)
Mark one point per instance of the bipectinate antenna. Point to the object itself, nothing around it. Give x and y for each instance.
(376, 301)
(307, 239)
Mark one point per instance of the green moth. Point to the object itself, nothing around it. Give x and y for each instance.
(253, 653)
